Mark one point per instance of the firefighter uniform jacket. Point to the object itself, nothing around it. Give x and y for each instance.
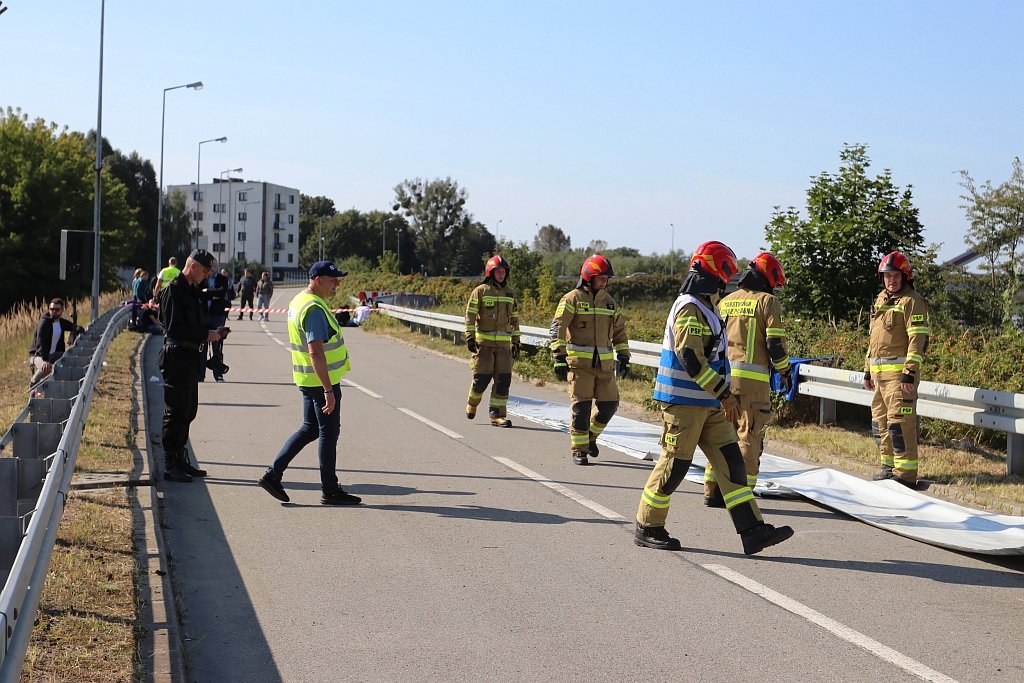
(693, 367)
(752, 318)
(589, 329)
(492, 315)
(899, 336)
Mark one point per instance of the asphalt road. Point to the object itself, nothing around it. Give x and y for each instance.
(485, 554)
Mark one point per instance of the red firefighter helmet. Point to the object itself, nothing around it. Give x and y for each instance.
(769, 266)
(895, 262)
(496, 261)
(715, 259)
(596, 265)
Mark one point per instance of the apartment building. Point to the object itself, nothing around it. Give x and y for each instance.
(242, 221)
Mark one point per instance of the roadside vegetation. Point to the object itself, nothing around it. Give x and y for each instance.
(87, 625)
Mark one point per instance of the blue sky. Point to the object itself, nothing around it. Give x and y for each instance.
(611, 120)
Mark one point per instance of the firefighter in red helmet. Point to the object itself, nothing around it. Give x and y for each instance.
(698, 409)
(590, 349)
(492, 336)
(756, 344)
(896, 349)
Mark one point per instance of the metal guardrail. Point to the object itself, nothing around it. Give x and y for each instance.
(999, 410)
(35, 476)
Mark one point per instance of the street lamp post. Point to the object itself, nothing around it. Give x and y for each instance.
(220, 188)
(672, 251)
(98, 179)
(198, 85)
(383, 233)
(199, 162)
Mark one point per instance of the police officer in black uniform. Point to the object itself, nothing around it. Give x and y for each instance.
(184, 316)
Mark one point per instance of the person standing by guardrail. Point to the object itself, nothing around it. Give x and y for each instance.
(492, 336)
(184, 316)
(246, 291)
(587, 334)
(752, 316)
(892, 368)
(319, 361)
(699, 409)
(264, 290)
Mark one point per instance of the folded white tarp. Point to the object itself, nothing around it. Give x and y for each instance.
(885, 504)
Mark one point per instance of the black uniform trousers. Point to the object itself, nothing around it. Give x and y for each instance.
(179, 366)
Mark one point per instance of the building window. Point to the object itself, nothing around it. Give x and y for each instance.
(291, 200)
(197, 195)
(242, 196)
(291, 258)
(240, 257)
(291, 239)
(218, 208)
(197, 215)
(276, 258)
(291, 218)
(219, 227)
(218, 246)
(241, 237)
(241, 215)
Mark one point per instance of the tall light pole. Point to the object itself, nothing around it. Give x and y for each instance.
(198, 85)
(383, 232)
(199, 161)
(220, 188)
(672, 251)
(98, 181)
(398, 245)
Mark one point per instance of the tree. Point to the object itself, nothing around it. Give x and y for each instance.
(597, 246)
(527, 268)
(996, 217)
(444, 233)
(311, 211)
(47, 185)
(139, 179)
(177, 229)
(852, 222)
(551, 239)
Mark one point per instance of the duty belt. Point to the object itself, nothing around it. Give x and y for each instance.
(177, 342)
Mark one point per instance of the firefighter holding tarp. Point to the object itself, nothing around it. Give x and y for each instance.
(752, 316)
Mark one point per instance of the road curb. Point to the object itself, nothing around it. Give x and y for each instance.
(161, 652)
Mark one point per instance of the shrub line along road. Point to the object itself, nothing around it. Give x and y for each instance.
(485, 554)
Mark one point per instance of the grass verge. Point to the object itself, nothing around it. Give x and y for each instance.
(87, 626)
(971, 477)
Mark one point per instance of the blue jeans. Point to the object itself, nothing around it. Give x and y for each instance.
(315, 425)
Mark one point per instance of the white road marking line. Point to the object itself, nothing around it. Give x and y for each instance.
(834, 627)
(554, 486)
(431, 424)
(363, 389)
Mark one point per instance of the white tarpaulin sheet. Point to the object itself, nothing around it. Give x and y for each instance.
(886, 504)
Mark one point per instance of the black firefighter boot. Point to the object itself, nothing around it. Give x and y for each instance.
(172, 470)
(186, 465)
(655, 537)
(761, 536)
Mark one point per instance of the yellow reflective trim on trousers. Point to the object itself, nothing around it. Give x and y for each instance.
(887, 460)
(741, 495)
(709, 474)
(579, 440)
(656, 501)
(596, 428)
(904, 463)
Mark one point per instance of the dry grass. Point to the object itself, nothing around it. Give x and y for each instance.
(975, 478)
(87, 627)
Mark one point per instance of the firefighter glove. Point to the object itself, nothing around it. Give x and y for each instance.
(785, 382)
(731, 406)
(561, 367)
(515, 350)
(471, 344)
(622, 367)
